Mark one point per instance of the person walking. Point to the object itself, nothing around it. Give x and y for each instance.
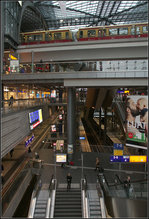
(69, 178)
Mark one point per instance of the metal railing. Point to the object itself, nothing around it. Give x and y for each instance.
(101, 66)
(20, 104)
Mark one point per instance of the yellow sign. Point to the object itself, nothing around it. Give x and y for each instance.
(12, 57)
(126, 91)
(118, 152)
(139, 159)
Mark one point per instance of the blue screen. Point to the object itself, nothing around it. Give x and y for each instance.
(34, 116)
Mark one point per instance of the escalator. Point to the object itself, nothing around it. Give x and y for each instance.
(134, 201)
(68, 203)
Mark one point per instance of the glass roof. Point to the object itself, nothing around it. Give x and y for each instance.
(62, 14)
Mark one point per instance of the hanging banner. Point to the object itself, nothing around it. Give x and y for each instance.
(137, 121)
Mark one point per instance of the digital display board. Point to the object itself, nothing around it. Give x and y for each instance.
(82, 138)
(138, 159)
(35, 118)
(61, 158)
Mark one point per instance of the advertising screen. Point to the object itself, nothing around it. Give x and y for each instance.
(53, 93)
(35, 118)
(137, 121)
(61, 158)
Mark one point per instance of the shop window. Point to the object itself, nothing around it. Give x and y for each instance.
(123, 31)
(113, 32)
(91, 33)
(133, 30)
(57, 36)
(145, 29)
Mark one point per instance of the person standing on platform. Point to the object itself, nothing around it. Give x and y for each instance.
(127, 185)
(97, 164)
(11, 101)
(69, 178)
(11, 152)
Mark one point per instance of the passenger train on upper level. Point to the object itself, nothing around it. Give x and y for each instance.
(85, 34)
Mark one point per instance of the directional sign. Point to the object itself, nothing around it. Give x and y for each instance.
(118, 146)
(118, 153)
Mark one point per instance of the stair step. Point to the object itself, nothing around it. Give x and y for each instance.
(95, 208)
(95, 212)
(40, 210)
(68, 214)
(67, 203)
(41, 201)
(39, 215)
(68, 210)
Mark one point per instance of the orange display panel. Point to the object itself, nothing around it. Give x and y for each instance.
(138, 159)
(118, 153)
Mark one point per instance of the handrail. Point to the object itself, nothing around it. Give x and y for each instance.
(34, 198)
(53, 194)
(49, 199)
(101, 198)
(85, 209)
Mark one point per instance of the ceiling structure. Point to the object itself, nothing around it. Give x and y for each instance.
(75, 14)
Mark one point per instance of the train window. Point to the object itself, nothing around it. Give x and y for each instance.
(37, 37)
(91, 33)
(132, 30)
(113, 31)
(57, 36)
(123, 31)
(145, 29)
(81, 34)
(100, 33)
(30, 38)
(50, 36)
(67, 35)
(137, 30)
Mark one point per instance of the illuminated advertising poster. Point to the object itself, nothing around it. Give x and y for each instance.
(35, 118)
(61, 158)
(137, 121)
(53, 93)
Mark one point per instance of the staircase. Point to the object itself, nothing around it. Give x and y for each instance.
(41, 204)
(94, 204)
(68, 203)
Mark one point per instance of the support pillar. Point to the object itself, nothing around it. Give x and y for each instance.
(71, 124)
(32, 62)
(105, 125)
(100, 122)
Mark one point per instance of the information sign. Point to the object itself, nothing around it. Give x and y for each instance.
(70, 149)
(61, 158)
(118, 146)
(118, 153)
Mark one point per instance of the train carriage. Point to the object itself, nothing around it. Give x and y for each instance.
(85, 34)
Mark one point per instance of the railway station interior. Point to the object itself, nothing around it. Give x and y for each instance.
(74, 109)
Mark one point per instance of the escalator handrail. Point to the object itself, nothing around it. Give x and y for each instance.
(85, 208)
(102, 201)
(53, 194)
